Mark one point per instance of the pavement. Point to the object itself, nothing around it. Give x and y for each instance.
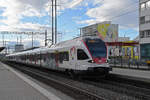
(14, 86)
(142, 75)
(131, 66)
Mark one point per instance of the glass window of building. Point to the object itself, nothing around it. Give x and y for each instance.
(148, 33)
(142, 34)
(148, 4)
(147, 19)
(145, 51)
(143, 6)
(142, 20)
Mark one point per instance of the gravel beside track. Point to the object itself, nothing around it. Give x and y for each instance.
(104, 89)
(122, 88)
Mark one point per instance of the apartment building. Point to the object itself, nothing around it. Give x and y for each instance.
(144, 28)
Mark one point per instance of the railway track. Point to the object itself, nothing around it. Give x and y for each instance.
(123, 88)
(89, 89)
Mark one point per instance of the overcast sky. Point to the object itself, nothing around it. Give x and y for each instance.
(33, 15)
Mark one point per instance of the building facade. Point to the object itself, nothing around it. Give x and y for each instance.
(144, 28)
(105, 30)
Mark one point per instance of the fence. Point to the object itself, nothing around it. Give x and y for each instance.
(128, 63)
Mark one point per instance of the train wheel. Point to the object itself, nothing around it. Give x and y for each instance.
(67, 72)
(72, 74)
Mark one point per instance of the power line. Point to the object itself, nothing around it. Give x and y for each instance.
(124, 14)
(124, 10)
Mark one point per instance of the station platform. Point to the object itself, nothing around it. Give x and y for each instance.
(140, 75)
(15, 86)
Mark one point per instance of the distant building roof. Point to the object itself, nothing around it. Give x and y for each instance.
(129, 43)
(123, 39)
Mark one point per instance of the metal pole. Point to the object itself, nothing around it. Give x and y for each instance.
(45, 37)
(5, 48)
(55, 21)
(32, 39)
(80, 32)
(8, 50)
(17, 40)
(52, 22)
(3, 38)
(20, 39)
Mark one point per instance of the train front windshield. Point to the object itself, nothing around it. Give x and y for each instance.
(97, 48)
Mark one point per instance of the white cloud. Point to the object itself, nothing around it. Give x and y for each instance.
(89, 21)
(15, 10)
(108, 8)
(74, 3)
(66, 4)
(24, 27)
(114, 10)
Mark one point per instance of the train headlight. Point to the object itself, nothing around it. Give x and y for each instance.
(91, 61)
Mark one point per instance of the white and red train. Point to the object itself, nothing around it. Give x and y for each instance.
(83, 55)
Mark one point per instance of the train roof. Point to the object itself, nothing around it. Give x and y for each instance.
(65, 44)
(28, 52)
(73, 42)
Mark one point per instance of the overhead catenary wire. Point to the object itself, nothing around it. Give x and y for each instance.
(124, 14)
(123, 10)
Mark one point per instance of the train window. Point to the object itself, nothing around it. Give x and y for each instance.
(61, 57)
(27, 57)
(64, 56)
(44, 56)
(81, 55)
(34, 57)
(38, 57)
(50, 56)
(31, 58)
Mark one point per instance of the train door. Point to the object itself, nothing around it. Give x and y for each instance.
(57, 59)
(73, 58)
